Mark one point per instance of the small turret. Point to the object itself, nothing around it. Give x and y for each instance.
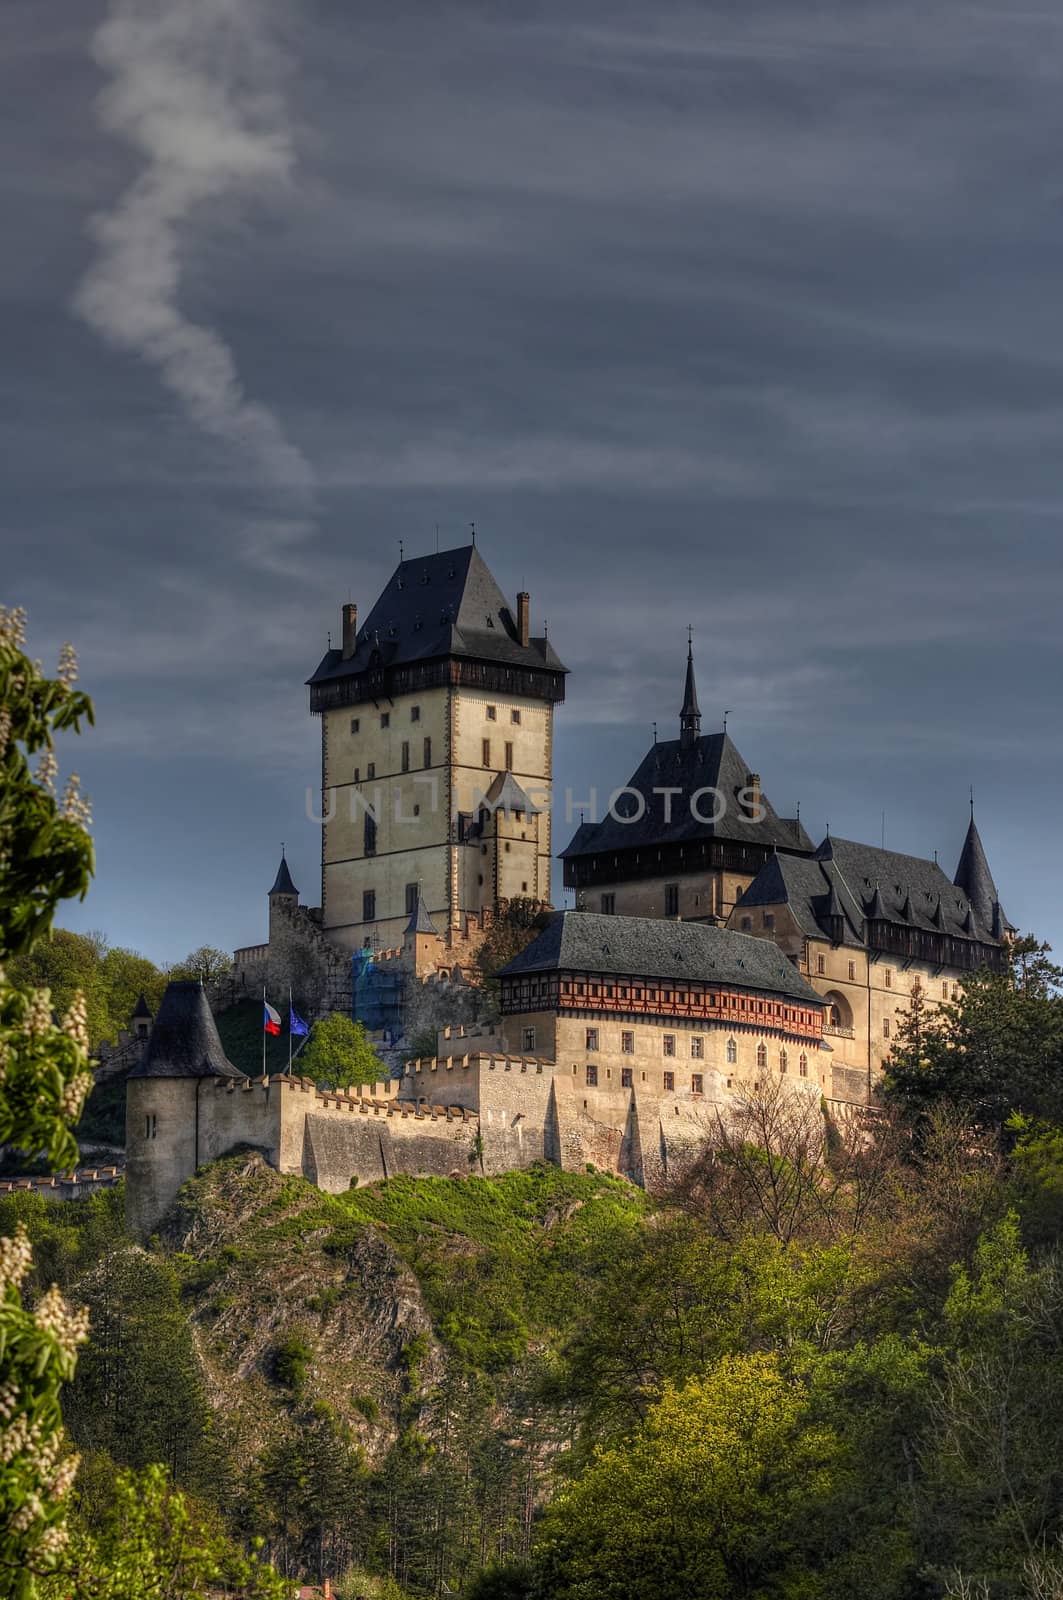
(974, 877)
(282, 883)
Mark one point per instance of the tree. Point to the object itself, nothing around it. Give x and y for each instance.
(995, 1051)
(146, 1539)
(205, 963)
(45, 857)
(339, 1054)
(711, 1497)
(510, 933)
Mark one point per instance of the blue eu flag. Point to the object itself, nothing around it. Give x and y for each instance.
(296, 1024)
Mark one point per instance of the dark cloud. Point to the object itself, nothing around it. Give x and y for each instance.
(742, 315)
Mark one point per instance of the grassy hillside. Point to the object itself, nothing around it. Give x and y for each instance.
(240, 1031)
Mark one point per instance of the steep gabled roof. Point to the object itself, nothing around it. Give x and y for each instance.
(708, 762)
(648, 947)
(440, 605)
(506, 795)
(184, 1042)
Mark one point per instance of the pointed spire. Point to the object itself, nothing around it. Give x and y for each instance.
(906, 910)
(875, 911)
(420, 920)
(690, 715)
(974, 877)
(282, 883)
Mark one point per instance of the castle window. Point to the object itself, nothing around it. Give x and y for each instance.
(385, 719)
(370, 770)
(769, 921)
(151, 1125)
(486, 752)
(592, 1077)
(357, 774)
(428, 752)
(369, 905)
(608, 905)
(514, 716)
(411, 898)
(527, 1040)
(405, 755)
(697, 1083)
(697, 1047)
(852, 969)
(369, 834)
(507, 847)
(592, 1038)
(762, 1055)
(671, 899)
(669, 1082)
(887, 978)
(492, 713)
(524, 888)
(627, 1042)
(509, 756)
(354, 724)
(885, 1027)
(668, 1044)
(821, 965)
(784, 1061)
(945, 989)
(625, 1077)
(732, 1052)
(415, 713)
(747, 924)
(802, 1066)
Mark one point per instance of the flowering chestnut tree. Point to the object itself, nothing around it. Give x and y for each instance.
(46, 857)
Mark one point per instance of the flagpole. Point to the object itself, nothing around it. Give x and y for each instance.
(263, 1030)
(289, 1030)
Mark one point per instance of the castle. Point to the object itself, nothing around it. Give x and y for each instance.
(713, 948)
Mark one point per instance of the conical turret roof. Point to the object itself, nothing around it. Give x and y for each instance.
(974, 877)
(142, 1009)
(420, 920)
(184, 1042)
(282, 883)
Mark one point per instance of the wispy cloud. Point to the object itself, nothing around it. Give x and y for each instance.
(194, 88)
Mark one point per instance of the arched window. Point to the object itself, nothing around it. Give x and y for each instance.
(732, 1052)
(784, 1060)
(840, 1012)
(802, 1065)
(762, 1055)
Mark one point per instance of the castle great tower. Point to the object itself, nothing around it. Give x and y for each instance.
(436, 754)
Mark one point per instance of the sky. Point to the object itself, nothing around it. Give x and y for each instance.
(743, 316)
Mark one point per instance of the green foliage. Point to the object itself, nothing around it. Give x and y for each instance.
(339, 1054)
(712, 1496)
(45, 857)
(291, 1361)
(143, 1537)
(422, 1046)
(111, 980)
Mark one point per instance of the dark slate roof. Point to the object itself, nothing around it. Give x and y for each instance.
(974, 877)
(860, 881)
(282, 883)
(446, 604)
(184, 1042)
(142, 1009)
(420, 920)
(711, 761)
(648, 947)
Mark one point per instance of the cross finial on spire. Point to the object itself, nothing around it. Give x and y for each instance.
(690, 713)
(972, 802)
(655, 733)
(472, 529)
(725, 716)
(400, 552)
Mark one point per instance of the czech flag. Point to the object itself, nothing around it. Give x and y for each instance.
(271, 1021)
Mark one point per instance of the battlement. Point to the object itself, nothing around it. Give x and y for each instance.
(73, 1185)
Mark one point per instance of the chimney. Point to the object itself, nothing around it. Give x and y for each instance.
(350, 630)
(523, 616)
(752, 793)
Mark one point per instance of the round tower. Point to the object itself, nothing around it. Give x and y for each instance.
(163, 1103)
